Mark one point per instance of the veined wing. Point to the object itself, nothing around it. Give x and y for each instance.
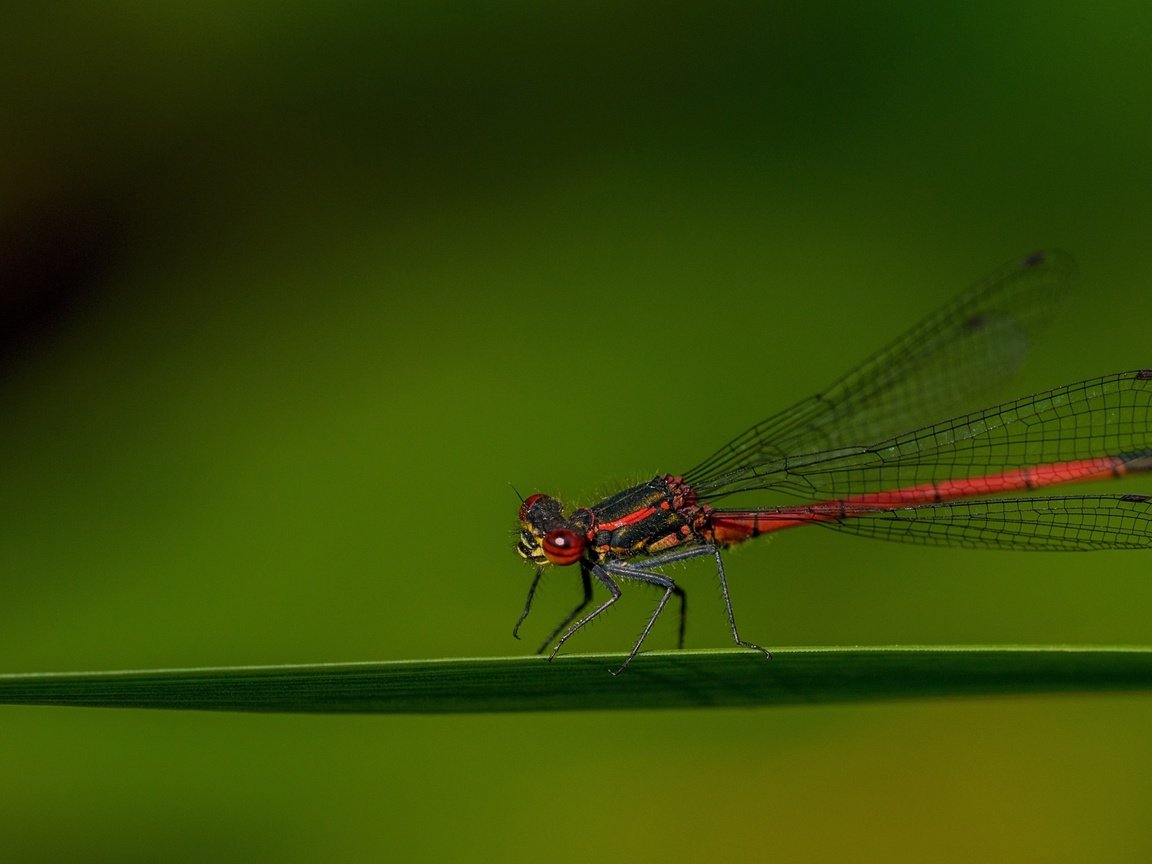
(1109, 416)
(1059, 524)
(937, 367)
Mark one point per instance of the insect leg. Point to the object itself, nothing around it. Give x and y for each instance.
(629, 571)
(673, 557)
(586, 578)
(728, 606)
(528, 602)
(604, 579)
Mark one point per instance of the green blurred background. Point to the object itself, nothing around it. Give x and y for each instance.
(291, 292)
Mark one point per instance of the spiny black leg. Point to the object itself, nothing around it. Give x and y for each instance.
(661, 561)
(629, 571)
(604, 579)
(528, 602)
(728, 608)
(586, 578)
(679, 592)
(647, 628)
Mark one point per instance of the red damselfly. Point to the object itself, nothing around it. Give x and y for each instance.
(848, 453)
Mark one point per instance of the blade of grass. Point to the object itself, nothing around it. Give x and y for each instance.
(658, 680)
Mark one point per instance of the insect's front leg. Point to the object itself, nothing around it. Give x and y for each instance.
(528, 602)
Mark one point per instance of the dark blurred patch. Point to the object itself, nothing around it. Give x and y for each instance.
(53, 253)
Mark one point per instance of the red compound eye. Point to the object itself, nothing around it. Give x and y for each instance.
(563, 547)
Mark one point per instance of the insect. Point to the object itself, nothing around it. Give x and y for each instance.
(847, 453)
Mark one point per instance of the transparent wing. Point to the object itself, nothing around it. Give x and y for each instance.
(1109, 416)
(1062, 524)
(937, 367)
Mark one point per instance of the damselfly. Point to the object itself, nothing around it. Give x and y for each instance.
(847, 452)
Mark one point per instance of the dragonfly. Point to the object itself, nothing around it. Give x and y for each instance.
(847, 455)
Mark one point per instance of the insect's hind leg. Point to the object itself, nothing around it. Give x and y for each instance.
(728, 606)
(694, 552)
(679, 592)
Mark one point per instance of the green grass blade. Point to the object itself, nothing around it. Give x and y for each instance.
(657, 680)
